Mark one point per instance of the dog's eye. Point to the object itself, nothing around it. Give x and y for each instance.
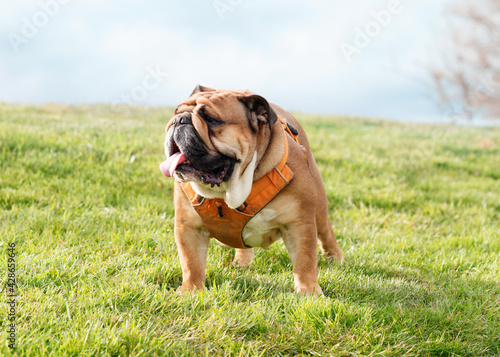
(212, 121)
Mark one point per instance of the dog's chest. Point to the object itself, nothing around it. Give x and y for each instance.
(262, 230)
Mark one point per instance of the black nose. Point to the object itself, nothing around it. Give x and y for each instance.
(185, 118)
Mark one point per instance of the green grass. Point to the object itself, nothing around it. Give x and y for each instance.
(416, 210)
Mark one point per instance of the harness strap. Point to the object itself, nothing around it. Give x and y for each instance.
(226, 224)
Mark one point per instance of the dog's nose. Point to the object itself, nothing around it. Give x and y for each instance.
(185, 118)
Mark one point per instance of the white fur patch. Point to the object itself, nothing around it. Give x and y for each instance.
(259, 232)
(240, 185)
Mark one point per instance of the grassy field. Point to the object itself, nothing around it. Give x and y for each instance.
(416, 210)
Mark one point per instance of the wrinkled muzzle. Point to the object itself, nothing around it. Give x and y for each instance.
(190, 159)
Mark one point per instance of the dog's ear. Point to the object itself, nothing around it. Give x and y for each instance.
(200, 89)
(259, 109)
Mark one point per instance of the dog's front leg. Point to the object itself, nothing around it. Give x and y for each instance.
(192, 244)
(300, 241)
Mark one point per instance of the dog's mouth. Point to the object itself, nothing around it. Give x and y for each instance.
(178, 163)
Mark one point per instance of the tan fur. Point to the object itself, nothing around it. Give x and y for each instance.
(243, 257)
(299, 212)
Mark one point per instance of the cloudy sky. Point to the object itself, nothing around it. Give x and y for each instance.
(155, 51)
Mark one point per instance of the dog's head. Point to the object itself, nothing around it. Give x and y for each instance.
(213, 140)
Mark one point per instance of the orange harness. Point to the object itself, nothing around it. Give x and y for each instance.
(227, 224)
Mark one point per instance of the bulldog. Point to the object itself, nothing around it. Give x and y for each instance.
(245, 174)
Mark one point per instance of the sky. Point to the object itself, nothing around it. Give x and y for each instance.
(357, 57)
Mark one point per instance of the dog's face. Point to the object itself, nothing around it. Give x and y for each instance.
(213, 139)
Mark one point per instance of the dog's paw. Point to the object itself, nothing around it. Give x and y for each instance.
(243, 257)
(311, 290)
(334, 257)
(189, 288)
(241, 263)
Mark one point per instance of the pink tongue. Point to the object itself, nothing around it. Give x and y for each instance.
(168, 167)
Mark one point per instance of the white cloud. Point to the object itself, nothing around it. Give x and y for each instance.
(285, 50)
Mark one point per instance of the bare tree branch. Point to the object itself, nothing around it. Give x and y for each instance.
(467, 74)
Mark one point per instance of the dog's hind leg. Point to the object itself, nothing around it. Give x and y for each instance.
(243, 257)
(326, 237)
